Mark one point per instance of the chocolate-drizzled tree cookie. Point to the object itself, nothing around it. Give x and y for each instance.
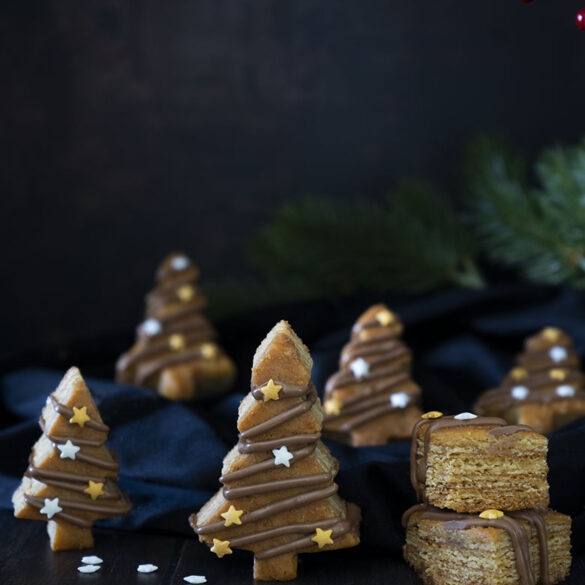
(176, 353)
(372, 399)
(279, 497)
(545, 390)
(71, 478)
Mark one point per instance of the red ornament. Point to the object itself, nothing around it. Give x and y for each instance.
(580, 18)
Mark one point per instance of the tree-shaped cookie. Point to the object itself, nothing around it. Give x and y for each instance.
(545, 390)
(278, 498)
(372, 399)
(71, 477)
(175, 352)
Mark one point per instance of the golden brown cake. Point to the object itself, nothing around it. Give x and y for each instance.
(492, 548)
(469, 464)
(545, 390)
(372, 399)
(279, 497)
(176, 353)
(71, 478)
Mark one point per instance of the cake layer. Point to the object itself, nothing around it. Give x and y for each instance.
(526, 547)
(468, 464)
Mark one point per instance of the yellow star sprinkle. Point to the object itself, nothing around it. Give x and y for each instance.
(385, 317)
(176, 341)
(208, 350)
(186, 292)
(271, 390)
(558, 374)
(551, 333)
(80, 416)
(232, 516)
(95, 489)
(221, 547)
(332, 406)
(432, 414)
(322, 537)
(491, 514)
(518, 373)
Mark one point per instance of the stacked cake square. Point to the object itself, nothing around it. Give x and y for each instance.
(483, 516)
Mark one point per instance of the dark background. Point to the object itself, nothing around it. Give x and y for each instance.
(131, 128)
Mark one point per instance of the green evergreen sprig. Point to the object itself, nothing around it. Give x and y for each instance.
(411, 242)
(537, 230)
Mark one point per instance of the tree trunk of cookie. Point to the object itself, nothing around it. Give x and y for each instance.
(282, 568)
(65, 536)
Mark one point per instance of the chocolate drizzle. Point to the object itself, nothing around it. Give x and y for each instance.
(315, 487)
(511, 522)
(111, 502)
(418, 461)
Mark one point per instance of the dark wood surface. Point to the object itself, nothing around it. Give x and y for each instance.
(26, 559)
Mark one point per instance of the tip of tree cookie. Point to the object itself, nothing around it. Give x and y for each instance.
(282, 356)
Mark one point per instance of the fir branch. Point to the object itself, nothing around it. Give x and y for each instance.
(413, 242)
(540, 231)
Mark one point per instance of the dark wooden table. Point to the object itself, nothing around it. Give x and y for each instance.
(26, 559)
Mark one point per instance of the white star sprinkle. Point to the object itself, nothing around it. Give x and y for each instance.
(151, 327)
(557, 354)
(465, 416)
(51, 507)
(282, 456)
(565, 391)
(148, 568)
(93, 560)
(195, 579)
(360, 368)
(180, 262)
(519, 392)
(68, 450)
(399, 400)
(88, 568)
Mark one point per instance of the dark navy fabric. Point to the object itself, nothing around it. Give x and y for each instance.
(170, 454)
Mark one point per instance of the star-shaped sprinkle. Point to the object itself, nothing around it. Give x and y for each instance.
(557, 374)
(332, 406)
(465, 416)
(432, 414)
(565, 391)
(399, 399)
(519, 392)
(518, 373)
(151, 327)
(80, 416)
(95, 489)
(385, 317)
(360, 368)
(68, 450)
(208, 350)
(92, 560)
(88, 568)
(232, 516)
(51, 507)
(176, 341)
(322, 537)
(557, 354)
(186, 292)
(551, 333)
(195, 579)
(491, 514)
(147, 568)
(180, 263)
(271, 390)
(221, 547)
(282, 456)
